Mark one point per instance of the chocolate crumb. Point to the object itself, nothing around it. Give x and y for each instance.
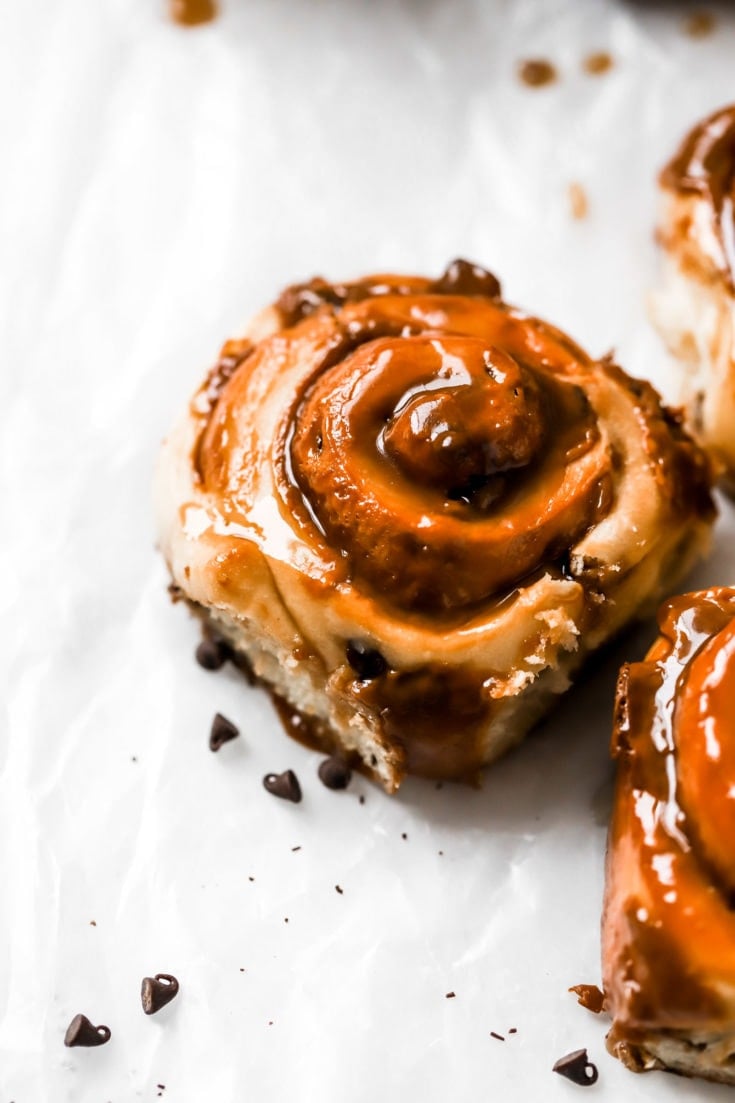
(404, 835)
(251, 878)
(450, 996)
(440, 853)
(294, 849)
(578, 1068)
(133, 758)
(212, 653)
(439, 785)
(156, 992)
(589, 996)
(500, 1037)
(578, 201)
(700, 24)
(175, 593)
(270, 1022)
(513, 1030)
(339, 890)
(285, 919)
(285, 785)
(93, 922)
(361, 798)
(81, 1032)
(222, 731)
(334, 772)
(536, 72)
(366, 661)
(598, 63)
(241, 969)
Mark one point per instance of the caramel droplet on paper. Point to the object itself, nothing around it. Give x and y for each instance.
(190, 13)
(598, 63)
(536, 72)
(578, 201)
(700, 24)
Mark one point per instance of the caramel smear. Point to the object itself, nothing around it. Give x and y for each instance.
(700, 24)
(190, 13)
(578, 201)
(537, 72)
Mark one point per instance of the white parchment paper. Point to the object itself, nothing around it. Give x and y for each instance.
(157, 186)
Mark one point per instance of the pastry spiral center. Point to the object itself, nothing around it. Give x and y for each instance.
(480, 417)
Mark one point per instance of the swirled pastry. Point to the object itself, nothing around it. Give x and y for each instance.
(695, 307)
(669, 921)
(415, 510)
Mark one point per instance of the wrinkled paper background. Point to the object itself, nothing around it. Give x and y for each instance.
(157, 186)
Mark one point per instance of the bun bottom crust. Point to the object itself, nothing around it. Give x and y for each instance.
(706, 1056)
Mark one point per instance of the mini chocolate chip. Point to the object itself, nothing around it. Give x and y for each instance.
(334, 772)
(578, 1068)
(156, 992)
(464, 278)
(285, 785)
(212, 654)
(81, 1032)
(223, 730)
(367, 662)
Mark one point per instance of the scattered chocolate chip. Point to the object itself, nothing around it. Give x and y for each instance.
(156, 992)
(222, 731)
(536, 72)
(513, 1030)
(81, 1032)
(450, 996)
(212, 653)
(589, 996)
(464, 278)
(339, 890)
(285, 785)
(500, 1037)
(334, 772)
(367, 662)
(578, 1068)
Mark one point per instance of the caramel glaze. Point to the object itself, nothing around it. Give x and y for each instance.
(669, 923)
(190, 13)
(704, 166)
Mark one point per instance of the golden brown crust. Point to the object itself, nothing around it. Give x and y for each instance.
(416, 466)
(668, 924)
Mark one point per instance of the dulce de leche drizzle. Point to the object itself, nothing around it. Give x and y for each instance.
(704, 165)
(669, 927)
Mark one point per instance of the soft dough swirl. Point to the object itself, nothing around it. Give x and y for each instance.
(669, 926)
(414, 469)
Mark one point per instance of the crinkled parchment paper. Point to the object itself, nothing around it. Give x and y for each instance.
(157, 186)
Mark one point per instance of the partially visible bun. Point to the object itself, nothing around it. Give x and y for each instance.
(694, 308)
(668, 925)
(415, 510)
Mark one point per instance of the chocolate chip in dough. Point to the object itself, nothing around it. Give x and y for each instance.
(366, 661)
(222, 731)
(81, 1032)
(578, 1068)
(334, 772)
(211, 654)
(285, 785)
(156, 992)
